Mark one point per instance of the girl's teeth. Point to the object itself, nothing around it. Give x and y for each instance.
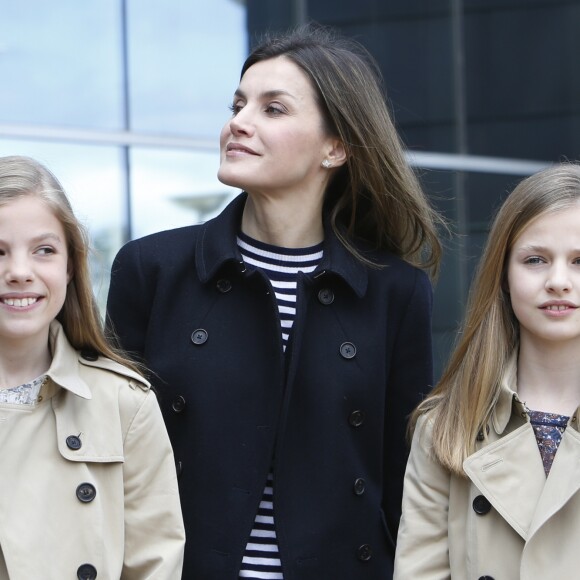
(19, 302)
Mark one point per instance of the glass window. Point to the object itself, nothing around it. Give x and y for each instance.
(174, 188)
(184, 64)
(60, 64)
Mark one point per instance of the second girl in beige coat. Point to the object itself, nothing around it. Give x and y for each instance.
(492, 488)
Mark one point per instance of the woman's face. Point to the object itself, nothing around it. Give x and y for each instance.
(34, 271)
(544, 278)
(275, 142)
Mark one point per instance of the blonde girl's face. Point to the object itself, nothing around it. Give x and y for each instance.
(544, 278)
(34, 271)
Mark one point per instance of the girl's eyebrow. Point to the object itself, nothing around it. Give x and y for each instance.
(531, 248)
(540, 249)
(48, 236)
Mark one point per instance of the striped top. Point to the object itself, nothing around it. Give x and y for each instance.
(261, 559)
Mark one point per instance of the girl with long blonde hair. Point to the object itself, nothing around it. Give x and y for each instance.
(491, 488)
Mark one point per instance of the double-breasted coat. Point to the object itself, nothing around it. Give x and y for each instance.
(329, 415)
(505, 520)
(87, 478)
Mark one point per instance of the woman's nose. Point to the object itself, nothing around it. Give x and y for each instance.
(241, 123)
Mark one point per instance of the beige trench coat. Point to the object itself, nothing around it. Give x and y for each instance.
(505, 521)
(87, 478)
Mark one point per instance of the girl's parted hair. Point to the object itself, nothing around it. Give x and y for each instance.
(375, 196)
(462, 402)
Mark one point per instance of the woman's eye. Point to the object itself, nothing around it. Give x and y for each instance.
(235, 108)
(274, 110)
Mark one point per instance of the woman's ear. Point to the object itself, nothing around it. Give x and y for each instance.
(337, 153)
(69, 272)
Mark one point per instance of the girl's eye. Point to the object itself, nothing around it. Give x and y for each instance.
(534, 260)
(45, 251)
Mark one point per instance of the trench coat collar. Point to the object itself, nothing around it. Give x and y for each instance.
(217, 245)
(509, 471)
(65, 362)
(508, 396)
(509, 402)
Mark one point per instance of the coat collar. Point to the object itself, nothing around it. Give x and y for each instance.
(509, 402)
(511, 467)
(65, 361)
(217, 246)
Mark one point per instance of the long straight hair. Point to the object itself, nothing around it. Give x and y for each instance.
(462, 402)
(375, 196)
(24, 177)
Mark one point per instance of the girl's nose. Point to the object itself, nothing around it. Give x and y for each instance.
(18, 270)
(559, 279)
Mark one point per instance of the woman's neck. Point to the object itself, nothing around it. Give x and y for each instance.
(21, 364)
(549, 381)
(287, 223)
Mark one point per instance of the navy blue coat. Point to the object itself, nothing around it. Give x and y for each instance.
(329, 415)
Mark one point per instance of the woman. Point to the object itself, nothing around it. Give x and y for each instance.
(492, 489)
(88, 485)
(291, 334)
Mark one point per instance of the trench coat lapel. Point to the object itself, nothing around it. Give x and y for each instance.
(563, 481)
(510, 474)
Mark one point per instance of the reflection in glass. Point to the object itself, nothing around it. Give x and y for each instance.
(59, 63)
(174, 188)
(184, 63)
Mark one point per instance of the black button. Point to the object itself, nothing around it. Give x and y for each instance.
(481, 505)
(199, 336)
(480, 435)
(356, 418)
(365, 553)
(86, 492)
(178, 404)
(73, 442)
(347, 350)
(86, 572)
(179, 468)
(224, 285)
(485, 578)
(90, 355)
(359, 486)
(326, 296)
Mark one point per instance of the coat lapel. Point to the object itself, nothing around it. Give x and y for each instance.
(563, 481)
(510, 474)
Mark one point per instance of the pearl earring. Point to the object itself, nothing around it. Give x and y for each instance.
(326, 164)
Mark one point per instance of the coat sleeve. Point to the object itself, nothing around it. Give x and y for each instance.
(422, 544)
(154, 531)
(128, 302)
(410, 378)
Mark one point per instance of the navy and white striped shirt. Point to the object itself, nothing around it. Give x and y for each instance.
(261, 559)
